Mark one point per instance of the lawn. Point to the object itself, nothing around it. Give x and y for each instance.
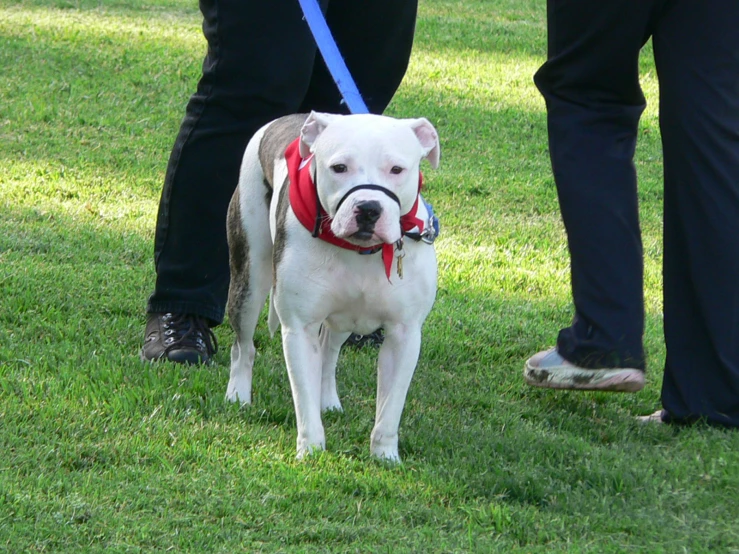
(99, 452)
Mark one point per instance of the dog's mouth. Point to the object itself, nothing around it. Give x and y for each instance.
(370, 239)
(363, 235)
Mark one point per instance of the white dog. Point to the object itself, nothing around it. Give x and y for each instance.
(327, 217)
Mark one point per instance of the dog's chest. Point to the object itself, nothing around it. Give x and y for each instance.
(364, 310)
(351, 291)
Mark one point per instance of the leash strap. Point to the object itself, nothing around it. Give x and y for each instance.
(331, 55)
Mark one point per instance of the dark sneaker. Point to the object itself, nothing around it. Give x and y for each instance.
(373, 339)
(549, 369)
(181, 338)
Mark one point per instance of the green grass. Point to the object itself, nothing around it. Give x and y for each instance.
(101, 453)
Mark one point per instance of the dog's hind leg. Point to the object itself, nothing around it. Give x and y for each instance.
(250, 250)
(331, 342)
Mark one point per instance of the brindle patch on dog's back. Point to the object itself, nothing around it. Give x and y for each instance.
(272, 147)
(277, 137)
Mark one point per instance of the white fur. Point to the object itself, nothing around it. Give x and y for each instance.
(323, 293)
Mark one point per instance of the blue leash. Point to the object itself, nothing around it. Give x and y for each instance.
(332, 56)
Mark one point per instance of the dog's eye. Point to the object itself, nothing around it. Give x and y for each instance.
(396, 170)
(338, 168)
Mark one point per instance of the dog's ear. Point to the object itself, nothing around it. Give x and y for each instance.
(313, 126)
(429, 139)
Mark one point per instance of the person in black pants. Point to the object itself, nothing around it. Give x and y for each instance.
(591, 87)
(262, 63)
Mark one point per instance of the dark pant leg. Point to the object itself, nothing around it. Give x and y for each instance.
(697, 54)
(258, 66)
(591, 87)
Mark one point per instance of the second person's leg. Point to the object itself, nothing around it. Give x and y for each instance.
(591, 87)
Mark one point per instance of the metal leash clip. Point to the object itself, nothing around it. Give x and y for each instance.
(431, 229)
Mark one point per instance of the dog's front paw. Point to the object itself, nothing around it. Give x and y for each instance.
(385, 448)
(308, 449)
(238, 392)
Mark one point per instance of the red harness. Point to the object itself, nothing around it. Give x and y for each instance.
(304, 202)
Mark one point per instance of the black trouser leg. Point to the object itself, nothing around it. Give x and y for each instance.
(697, 53)
(591, 87)
(250, 75)
(261, 64)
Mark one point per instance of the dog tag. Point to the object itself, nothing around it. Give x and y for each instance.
(400, 254)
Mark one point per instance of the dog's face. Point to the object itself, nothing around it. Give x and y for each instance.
(366, 170)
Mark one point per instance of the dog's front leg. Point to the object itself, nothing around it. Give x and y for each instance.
(303, 356)
(397, 362)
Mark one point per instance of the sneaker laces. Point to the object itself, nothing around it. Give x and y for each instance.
(188, 331)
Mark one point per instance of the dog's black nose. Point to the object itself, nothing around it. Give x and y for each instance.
(368, 212)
